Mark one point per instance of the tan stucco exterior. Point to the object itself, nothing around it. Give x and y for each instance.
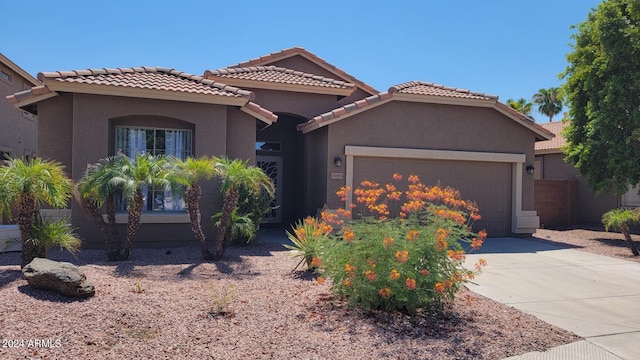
(78, 129)
(399, 124)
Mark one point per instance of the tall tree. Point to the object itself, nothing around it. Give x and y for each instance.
(603, 88)
(234, 175)
(27, 185)
(190, 173)
(521, 105)
(549, 101)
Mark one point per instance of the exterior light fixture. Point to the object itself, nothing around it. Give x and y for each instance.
(337, 161)
(530, 169)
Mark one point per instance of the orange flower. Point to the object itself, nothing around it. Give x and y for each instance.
(456, 255)
(441, 235)
(480, 264)
(300, 233)
(413, 179)
(371, 263)
(385, 292)
(344, 213)
(320, 280)
(412, 235)
(440, 287)
(482, 234)
(410, 283)
(343, 192)
(402, 256)
(349, 268)
(397, 177)
(371, 275)
(395, 275)
(346, 282)
(424, 272)
(476, 243)
(388, 242)
(316, 262)
(348, 234)
(309, 220)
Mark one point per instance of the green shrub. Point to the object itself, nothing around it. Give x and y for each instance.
(406, 262)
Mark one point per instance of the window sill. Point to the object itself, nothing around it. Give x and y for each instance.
(154, 218)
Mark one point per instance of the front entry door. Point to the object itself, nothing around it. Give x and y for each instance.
(272, 166)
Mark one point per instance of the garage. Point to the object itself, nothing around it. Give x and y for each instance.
(482, 182)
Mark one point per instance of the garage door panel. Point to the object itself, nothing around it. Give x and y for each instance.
(486, 183)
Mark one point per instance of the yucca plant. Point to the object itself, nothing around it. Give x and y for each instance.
(621, 219)
(307, 238)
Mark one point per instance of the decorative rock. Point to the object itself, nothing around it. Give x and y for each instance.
(61, 277)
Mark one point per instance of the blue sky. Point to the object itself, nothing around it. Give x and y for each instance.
(509, 48)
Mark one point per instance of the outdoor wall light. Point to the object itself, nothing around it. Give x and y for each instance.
(337, 161)
(530, 169)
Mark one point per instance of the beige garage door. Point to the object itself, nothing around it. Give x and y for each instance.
(486, 183)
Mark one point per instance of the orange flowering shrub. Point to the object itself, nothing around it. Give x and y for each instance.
(406, 248)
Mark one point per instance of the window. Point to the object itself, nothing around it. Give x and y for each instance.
(170, 142)
(267, 146)
(5, 76)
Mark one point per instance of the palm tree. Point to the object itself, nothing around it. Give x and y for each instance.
(621, 219)
(235, 174)
(190, 173)
(27, 185)
(521, 105)
(145, 171)
(97, 190)
(549, 101)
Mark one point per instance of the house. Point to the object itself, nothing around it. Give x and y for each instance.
(562, 196)
(19, 127)
(311, 126)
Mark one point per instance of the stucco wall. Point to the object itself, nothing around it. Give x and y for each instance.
(77, 130)
(431, 126)
(317, 166)
(306, 105)
(18, 133)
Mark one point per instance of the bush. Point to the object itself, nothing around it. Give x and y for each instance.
(411, 259)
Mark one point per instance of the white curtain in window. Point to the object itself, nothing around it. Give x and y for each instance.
(174, 146)
(137, 142)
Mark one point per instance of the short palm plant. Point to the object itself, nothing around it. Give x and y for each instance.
(190, 173)
(235, 174)
(26, 186)
(49, 233)
(622, 219)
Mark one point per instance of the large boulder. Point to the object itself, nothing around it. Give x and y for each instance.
(61, 277)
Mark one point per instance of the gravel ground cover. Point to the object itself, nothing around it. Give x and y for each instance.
(167, 304)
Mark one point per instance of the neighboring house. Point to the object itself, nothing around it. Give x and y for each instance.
(562, 195)
(316, 128)
(18, 135)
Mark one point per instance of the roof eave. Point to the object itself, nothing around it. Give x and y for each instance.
(331, 117)
(548, 151)
(98, 89)
(542, 134)
(259, 113)
(258, 84)
(13, 66)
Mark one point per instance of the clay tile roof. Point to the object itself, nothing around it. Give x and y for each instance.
(427, 88)
(334, 114)
(286, 53)
(145, 78)
(278, 75)
(558, 141)
(28, 94)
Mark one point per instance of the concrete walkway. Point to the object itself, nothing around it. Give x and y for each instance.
(595, 297)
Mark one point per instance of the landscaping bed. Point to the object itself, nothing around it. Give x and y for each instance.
(166, 304)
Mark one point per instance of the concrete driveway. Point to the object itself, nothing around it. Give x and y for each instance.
(596, 297)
